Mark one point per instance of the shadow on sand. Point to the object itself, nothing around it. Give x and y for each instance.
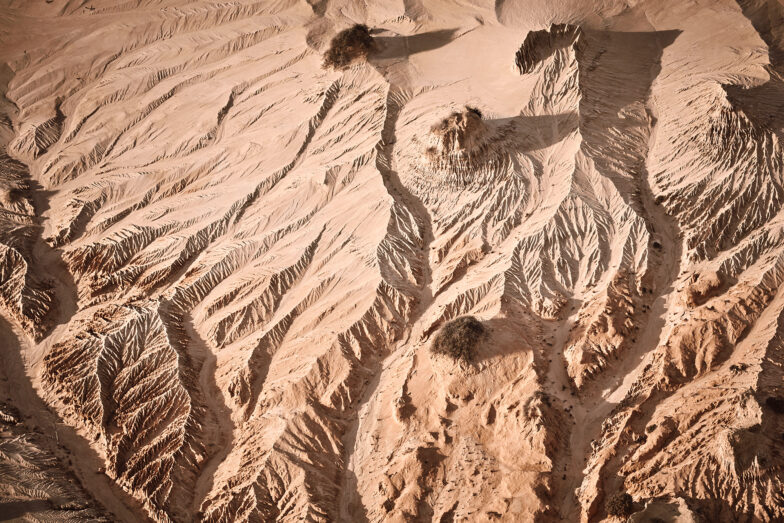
(397, 47)
(530, 132)
(764, 104)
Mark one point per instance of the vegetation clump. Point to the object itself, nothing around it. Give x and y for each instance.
(349, 45)
(738, 368)
(458, 338)
(475, 111)
(620, 504)
(459, 136)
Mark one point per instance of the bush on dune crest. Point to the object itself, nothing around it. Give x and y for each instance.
(620, 504)
(349, 45)
(459, 338)
(459, 135)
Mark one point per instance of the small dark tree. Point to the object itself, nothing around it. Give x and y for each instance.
(459, 338)
(349, 45)
(620, 504)
(474, 110)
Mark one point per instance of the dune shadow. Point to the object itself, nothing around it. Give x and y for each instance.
(354, 510)
(616, 73)
(16, 510)
(526, 133)
(767, 16)
(497, 328)
(764, 104)
(396, 47)
(49, 264)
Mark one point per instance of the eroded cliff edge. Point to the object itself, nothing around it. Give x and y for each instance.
(222, 265)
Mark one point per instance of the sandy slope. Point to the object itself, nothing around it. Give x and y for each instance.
(221, 266)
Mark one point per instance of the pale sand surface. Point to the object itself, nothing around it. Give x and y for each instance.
(222, 265)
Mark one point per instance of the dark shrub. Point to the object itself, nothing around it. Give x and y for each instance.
(348, 45)
(474, 110)
(460, 133)
(458, 338)
(620, 504)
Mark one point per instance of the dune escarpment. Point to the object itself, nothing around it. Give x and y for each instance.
(26, 294)
(223, 265)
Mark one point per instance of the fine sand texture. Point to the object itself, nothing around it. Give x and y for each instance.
(224, 263)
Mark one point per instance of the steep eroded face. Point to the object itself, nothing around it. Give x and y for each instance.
(223, 266)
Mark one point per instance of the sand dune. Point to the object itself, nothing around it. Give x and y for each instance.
(222, 265)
